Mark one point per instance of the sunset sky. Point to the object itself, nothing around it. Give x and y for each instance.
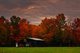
(36, 10)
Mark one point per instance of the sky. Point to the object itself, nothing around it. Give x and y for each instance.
(36, 10)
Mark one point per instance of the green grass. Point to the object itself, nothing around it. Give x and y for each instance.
(40, 50)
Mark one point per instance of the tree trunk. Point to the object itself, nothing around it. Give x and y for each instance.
(60, 44)
(69, 43)
(77, 43)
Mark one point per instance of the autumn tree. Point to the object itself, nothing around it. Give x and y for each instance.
(76, 31)
(54, 29)
(4, 35)
(19, 32)
(2, 29)
(35, 32)
(60, 27)
(46, 29)
(32, 29)
(24, 28)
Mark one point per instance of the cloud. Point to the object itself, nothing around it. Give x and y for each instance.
(35, 22)
(11, 4)
(36, 10)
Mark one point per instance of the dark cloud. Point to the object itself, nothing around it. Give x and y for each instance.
(36, 10)
(10, 4)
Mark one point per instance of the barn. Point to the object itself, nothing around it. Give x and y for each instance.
(31, 42)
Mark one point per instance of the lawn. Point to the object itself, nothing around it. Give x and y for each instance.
(40, 50)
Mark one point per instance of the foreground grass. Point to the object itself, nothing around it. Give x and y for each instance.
(40, 50)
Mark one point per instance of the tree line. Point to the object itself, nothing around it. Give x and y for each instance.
(55, 31)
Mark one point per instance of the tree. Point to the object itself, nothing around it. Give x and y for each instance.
(15, 20)
(35, 32)
(2, 17)
(54, 29)
(20, 31)
(24, 28)
(76, 30)
(46, 29)
(60, 27)
(4, 36)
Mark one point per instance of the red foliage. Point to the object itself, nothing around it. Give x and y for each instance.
(1, 21)
(76, 30)
(20, 32)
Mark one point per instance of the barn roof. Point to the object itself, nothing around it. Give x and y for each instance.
(37, 39)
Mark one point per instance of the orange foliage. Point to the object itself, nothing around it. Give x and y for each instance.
(48, 37)
(47, 28)
(35, 32)
(20, 32)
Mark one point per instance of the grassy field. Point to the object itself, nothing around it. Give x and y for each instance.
(40, 50)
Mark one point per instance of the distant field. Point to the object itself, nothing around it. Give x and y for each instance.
(40, 50)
